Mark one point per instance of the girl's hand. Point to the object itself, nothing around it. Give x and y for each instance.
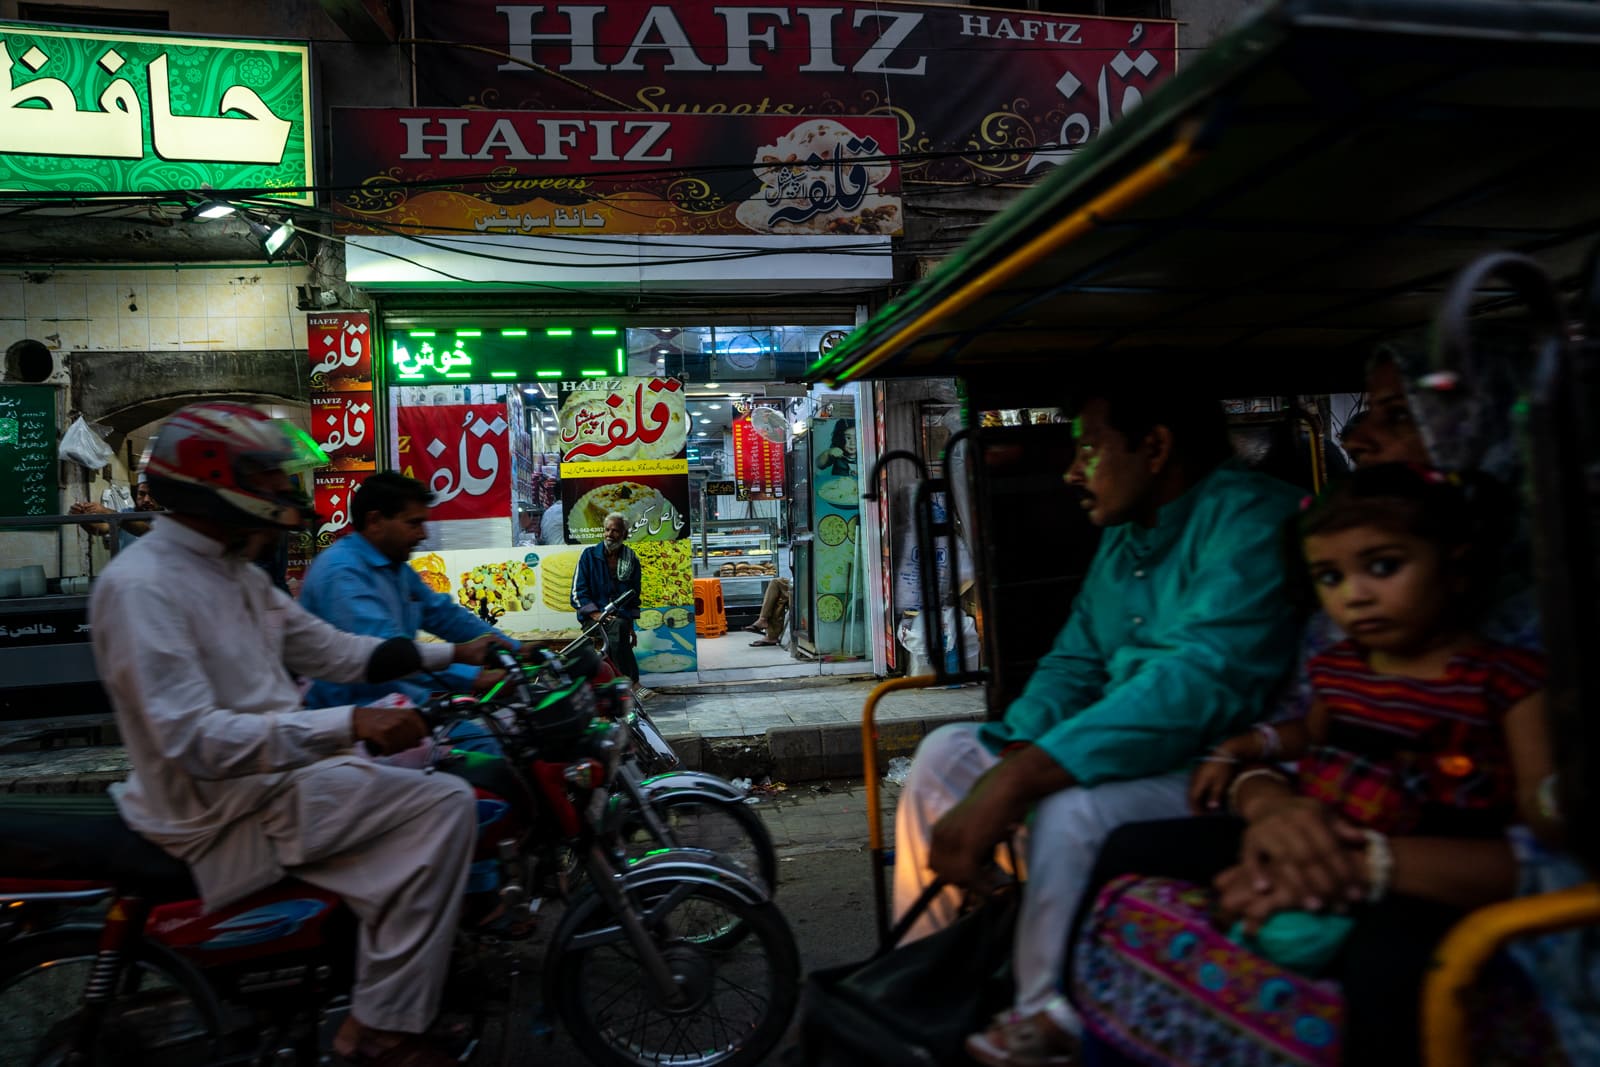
(1208, 787)
(1238, 900)
(1300, 847)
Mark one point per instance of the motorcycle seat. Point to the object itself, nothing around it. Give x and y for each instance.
(77, 837)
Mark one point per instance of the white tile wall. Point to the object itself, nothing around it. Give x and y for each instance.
(156, 309)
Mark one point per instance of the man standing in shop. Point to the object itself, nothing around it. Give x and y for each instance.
(605, 572)
(362, 585)
(127, 532)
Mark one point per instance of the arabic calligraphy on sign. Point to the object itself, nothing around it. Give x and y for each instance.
(462, 453)
(343, 427)
(623, 419)
(339, 345)
(237, 109)
(331, 493)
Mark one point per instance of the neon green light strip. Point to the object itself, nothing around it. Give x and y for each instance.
(594, 373)
(459, 374)
(556, 332)
(469, 333)
(502, 374)
(599, 332)
(422, 333)
(413, 375)
(547, 374)
(622, 361)
(513, 333)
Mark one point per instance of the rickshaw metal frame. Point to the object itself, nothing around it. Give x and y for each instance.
(1092, 264)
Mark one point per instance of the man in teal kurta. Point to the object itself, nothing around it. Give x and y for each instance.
(1178, 638)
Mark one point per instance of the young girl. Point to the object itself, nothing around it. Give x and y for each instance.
(1419, 727)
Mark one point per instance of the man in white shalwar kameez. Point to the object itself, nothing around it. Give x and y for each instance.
(230, 774)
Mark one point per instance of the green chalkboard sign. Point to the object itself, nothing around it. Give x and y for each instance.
(28, 462)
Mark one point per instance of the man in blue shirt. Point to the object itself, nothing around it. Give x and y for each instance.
(362, 584)
(1179, 636)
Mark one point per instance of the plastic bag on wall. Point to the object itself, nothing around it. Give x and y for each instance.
(84, 445)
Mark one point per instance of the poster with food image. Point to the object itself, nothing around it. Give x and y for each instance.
(527, 594)
(655, 506)
(836, 564)
(612, 420)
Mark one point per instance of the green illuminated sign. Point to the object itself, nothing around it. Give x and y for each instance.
(417, 357)
(101, 112)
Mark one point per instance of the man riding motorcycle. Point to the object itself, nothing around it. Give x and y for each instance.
(230, 774)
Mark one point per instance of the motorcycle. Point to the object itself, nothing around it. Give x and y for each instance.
(662, 805)
(679, 956)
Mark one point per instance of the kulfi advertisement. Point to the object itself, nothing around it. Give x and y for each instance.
(836, 511)
(527, 593)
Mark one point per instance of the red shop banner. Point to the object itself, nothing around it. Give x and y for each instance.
(462, 453)
(757, 462)
(342, 425)
(612, 420)
(340, 348)
(585, 172)
(331, 492)
(980, 94)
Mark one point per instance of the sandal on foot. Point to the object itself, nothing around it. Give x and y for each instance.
(1017, 1040)
(763, 643)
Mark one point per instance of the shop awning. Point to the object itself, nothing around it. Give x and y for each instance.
(1299, 191)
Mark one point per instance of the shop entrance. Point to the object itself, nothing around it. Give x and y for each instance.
(739, 488)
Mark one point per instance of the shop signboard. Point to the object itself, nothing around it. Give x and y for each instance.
(462, 453)
(332, 491)
(429, 356)
(28, 464)
(340, 345)
(623, 449)
(105, 112)
(508, 173)
(342, 425)
(758, 466)
(979, 94)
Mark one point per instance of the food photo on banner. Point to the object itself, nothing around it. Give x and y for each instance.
(836, 507)
(623, 446)
(465, 171)
(979, 94)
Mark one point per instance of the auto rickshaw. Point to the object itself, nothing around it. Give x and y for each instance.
(1330, 175)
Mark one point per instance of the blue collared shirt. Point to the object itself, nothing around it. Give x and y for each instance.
(356, 588)
(1178, 638)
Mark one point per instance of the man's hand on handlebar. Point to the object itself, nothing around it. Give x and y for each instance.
(387, 730)
(480, 650)
(486, 679)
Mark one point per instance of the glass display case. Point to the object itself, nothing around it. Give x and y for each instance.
(741, 552)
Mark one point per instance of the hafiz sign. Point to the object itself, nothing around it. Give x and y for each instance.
(108, 113)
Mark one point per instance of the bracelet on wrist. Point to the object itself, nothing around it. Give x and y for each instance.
(1253, 772)
(1271, 741)
(1380, 866)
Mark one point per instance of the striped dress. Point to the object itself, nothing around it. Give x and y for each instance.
(1414, 755)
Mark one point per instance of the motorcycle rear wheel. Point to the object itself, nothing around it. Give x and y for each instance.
(731, 829)
(162, 1014)
(738, 996)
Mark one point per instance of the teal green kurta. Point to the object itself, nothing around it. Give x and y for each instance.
(1178, 638)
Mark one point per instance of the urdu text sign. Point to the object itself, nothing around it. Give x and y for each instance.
(114, 114)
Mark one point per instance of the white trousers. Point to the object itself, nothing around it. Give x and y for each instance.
(396, 845)
(1058, 851)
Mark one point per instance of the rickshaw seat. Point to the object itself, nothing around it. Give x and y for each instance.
(1469, 946)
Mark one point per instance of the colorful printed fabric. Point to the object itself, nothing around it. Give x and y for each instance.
(1157, 982)
(1402, 749)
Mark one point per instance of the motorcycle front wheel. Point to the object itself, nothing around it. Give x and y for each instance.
(161, 1014)
(734, 999)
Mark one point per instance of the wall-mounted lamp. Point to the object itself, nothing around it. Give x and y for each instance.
(272, 237)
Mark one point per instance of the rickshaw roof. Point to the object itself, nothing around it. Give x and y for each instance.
(1300, 191)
